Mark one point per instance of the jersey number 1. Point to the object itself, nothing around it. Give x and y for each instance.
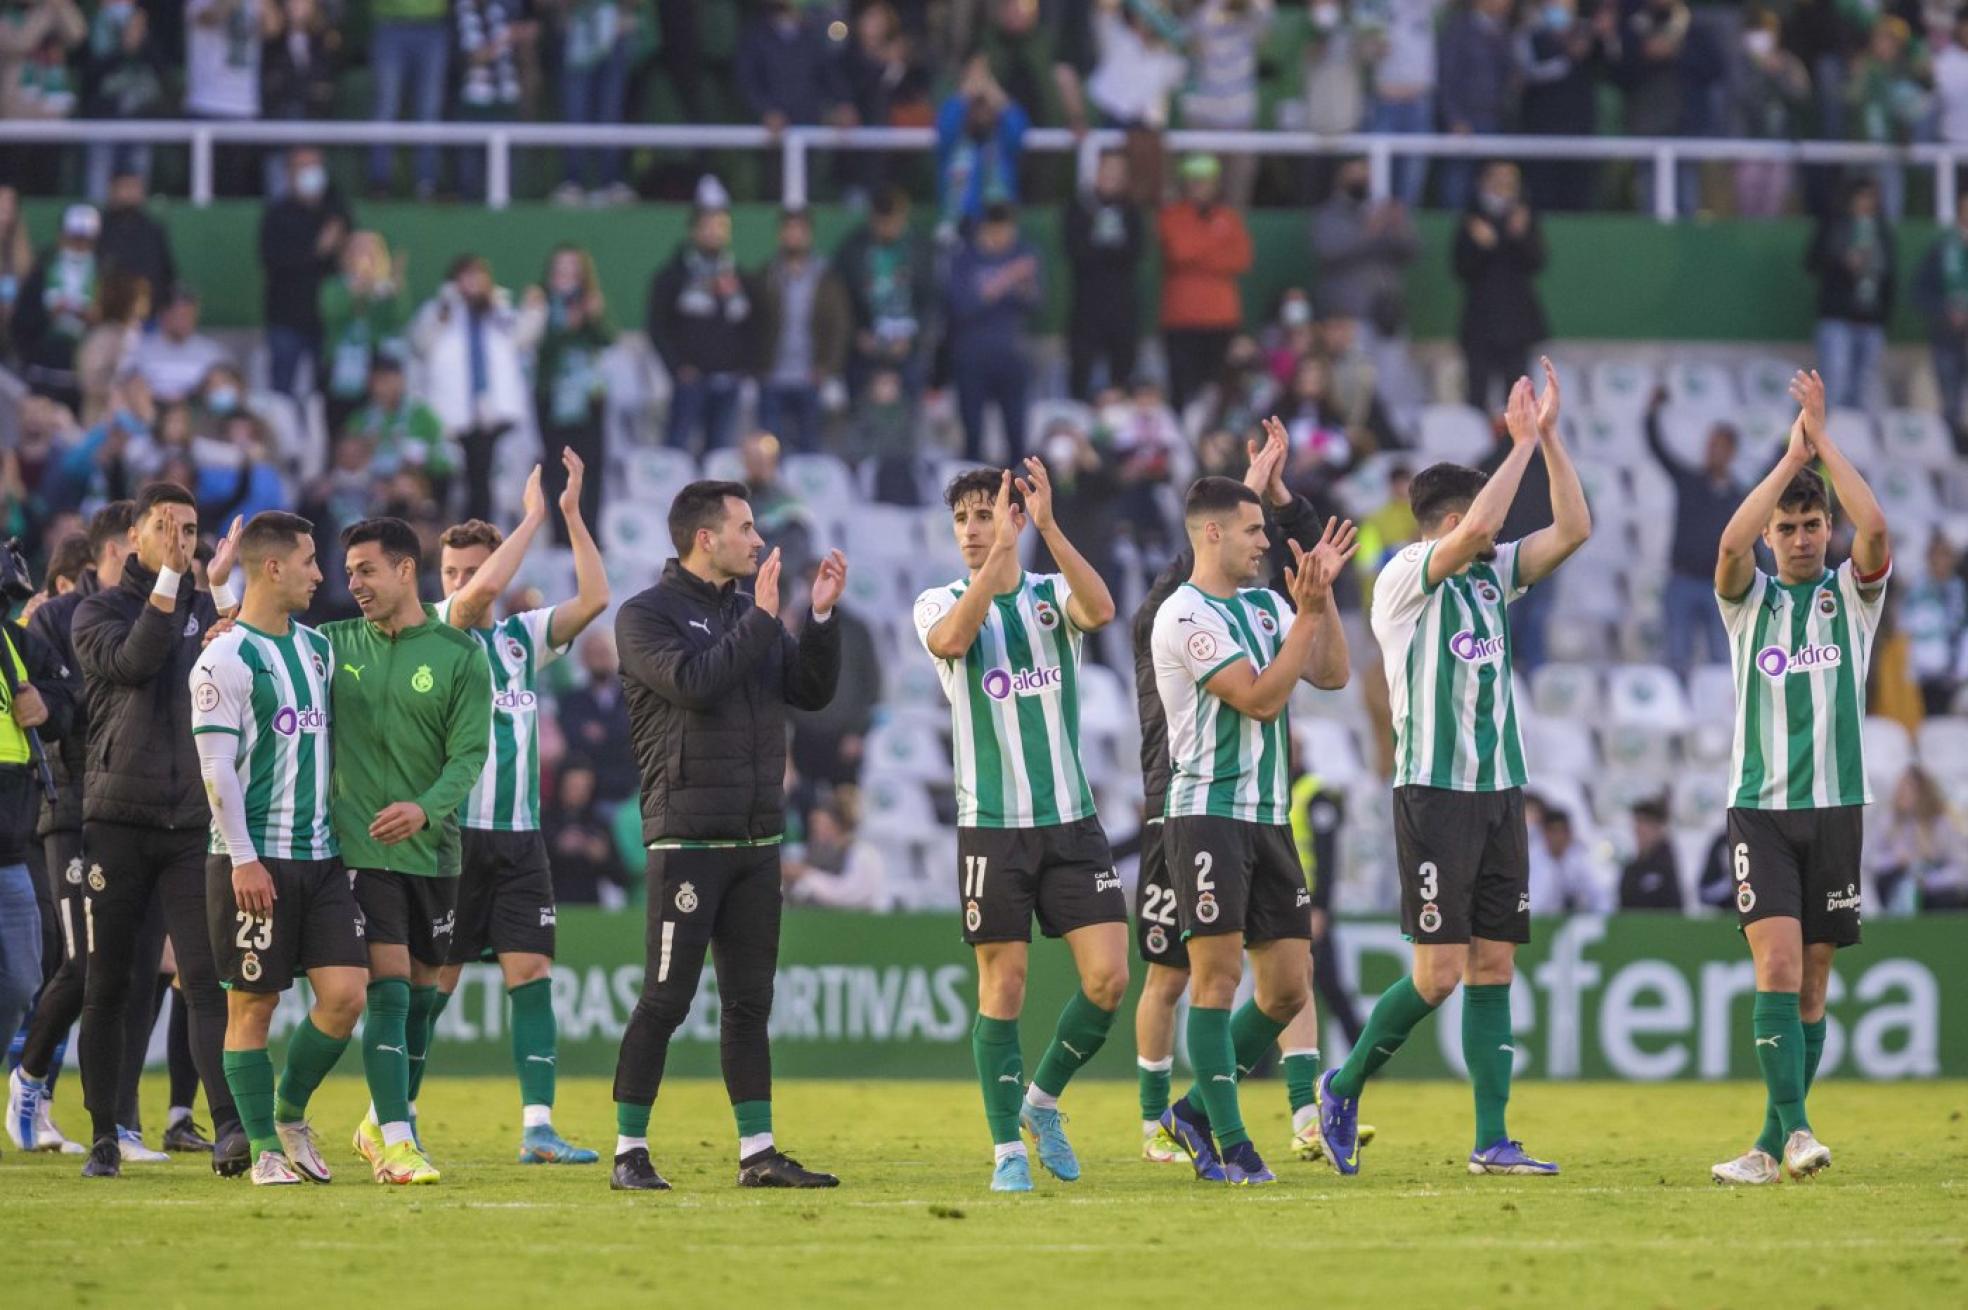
(973, 879)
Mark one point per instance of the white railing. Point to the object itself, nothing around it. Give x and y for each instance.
(499, 140)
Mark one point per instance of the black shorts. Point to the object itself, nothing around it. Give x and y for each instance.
(1799, 864)
(1232, 876)
(1157, 934)
(1465, 864)
(409, 909)
(505, 897)
(315, 924)
(1063, 872)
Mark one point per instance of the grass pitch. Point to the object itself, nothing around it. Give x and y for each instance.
(1634, 1221)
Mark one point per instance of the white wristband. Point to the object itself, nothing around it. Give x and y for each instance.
(168, 579)
(224, 597)
(821, 616)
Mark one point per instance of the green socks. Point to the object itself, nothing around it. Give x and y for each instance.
(1001, 1074)
(1154, 1085)
(534, 1037)
(250, 1076)
(1082, 1030)
(417, 1030)
(385, 1062)
(310, 1055)
(632, 1120)
(1394, 1016)
(1787, 1078)
(754, 1117)
(1488, 1050)
(1214, 1055)
(1301, 1078)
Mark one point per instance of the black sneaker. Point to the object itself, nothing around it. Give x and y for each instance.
(187, 1137)
(774, 1168)
(105, 1159)
(634, 1173)
(232, 1156)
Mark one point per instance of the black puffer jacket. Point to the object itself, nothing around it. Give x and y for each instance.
(52, 623)
(136, 663)
(708, 677)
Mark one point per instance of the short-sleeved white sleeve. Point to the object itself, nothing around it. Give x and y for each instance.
(931, 607)
(221, 690)
(538, 625)
(1737, 612)
(1505, 565)
(1401, 590)
(1869, 607)
(1192, 636)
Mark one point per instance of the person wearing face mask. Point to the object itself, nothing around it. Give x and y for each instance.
(174, 357)
(220, 398)
(473, 341)
(1364, 248)
(569, 393)
(1773, 88)
(301, 236)
(122, 68)
(1499, 251)
(1105, 240)
(1561, 56)
(299, 62)
(55, 307)
(132, 241)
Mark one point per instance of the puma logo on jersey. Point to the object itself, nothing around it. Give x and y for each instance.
(355, 670)
(699, 623)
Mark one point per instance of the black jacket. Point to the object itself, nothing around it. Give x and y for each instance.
(52, 623)
(137, 663)
(694, 323)
(20, 784)
(1103, 250)
(289, 232)
(134, 242)
(708, 677)
(1502, 308)
(1855, 296)
(1298, 522)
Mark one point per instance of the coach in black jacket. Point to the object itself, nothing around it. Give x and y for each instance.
(145, 821)
(708, 673)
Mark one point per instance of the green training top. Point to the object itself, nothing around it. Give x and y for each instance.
(412, 716)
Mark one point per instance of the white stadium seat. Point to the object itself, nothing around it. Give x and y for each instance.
(1106, 704)
(724, 464)
(1637, 748)
(1888, 751)
(1563, 746)
(1906, 493)
(1455, 432)
(1566, 691)
(822, 481)
(1702, 382)
(1648, 695)
(906, 750)
(1326, 747)
(1611, 436)
(1622, 385)
(1766, 381)
(649, 467)
(1712, 694)
(1916, 436)
(1944, 747)
(1699, 797)
(1856, 435)
(897, 809)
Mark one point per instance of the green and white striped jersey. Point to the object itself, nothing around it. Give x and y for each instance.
(1221, 762)
(1446, 650)
(1014, 707)
(506, 797)
(1800, 653)
(272, 694)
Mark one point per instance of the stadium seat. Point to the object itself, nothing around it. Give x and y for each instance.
(1563, 746)
(1458, 433)
(1044, 413)
(1704, 383)
(822, 481)
(1652, 490)
(1605, 491)
(1888, 751)
(1943, 746)
(908, 751)
(1700, 797)
(1637, 748)
(1593, 587)
(631, 531)
(1326, 747)
(1610, 436)
(1854, 431)
(1622, 386)
(1566, 691)
(1685, 425)
(1647, 695)
(1918, 437)
(897, 808)
(286, 427)
(1766, 381)
(653, 469)
(724, 464)
(1906, 493)
(1106, 703)
(1712, 694)
(1615, 793)
(882, 533)
(1764, 430)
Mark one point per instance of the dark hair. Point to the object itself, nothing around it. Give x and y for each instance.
(460, 264)
(110, 523)
(69, 557)
(972, 483)
(385, 362)
(1217, 495)
(1652, 807)
(700, 505)
(159, 493)
(1554, 816)
(271, 532)
(1443, 489)
(472, 532)
(397, 538)
(1806, 492)
(890, 201)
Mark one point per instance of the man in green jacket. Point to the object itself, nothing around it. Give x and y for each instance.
(412, 701)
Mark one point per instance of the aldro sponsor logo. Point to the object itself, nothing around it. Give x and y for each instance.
(1775, 662)
(1472, 649)
(288, 721)
(1001, 684)
(510, 700)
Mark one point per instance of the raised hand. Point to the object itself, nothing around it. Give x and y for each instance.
(1808, 390)
(1036, 487)
(1266, 475)
(1800, 453)
(831, 583)
(1330, 553)
(570, 495)
(1520, 415)
(1548, 402)
(765, 588)
(224, 554)
(534, 500)
(1009, 518)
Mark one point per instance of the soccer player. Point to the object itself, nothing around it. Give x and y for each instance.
(1007, 649)
(1227, 657)
(505, 889)
(708, 674)
(1799, 644)
(1157, 938)
(1459, 836)
(276, 894)
(412, 715)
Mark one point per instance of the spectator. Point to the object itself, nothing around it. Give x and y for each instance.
(595, 721)
(1561, 54)
(1651, 880)
(1885, 103)
(1137, 70)
(488, 37)
(1852, 256)
(112, 459)
(55, 307)
(1146, 439)
(1205, 250)
(222, 78)
(1363, 247)
(1385, 531)
(122, 305)
(16, 264)
(829, 744)
(471, 340)
(833, 869)
(879, 432)
(301, 236)
(1653, 48)
(299, 69)
(174, 356)
(1476, 71)
(1403, 51)
(889, 274)
(993, 291)
(132, 241)
(1243, 391)
(1940, 293)
(408, 42)
(570, 395)
(980, 135)
(1934, 615)
(785, 66)
(1705, 498)
(219, 395)
(1086, 488)
(364, 311)
(122, 78)
(597, 40)
(804, 324)
(35, 39)
(1293, 336)
(236, 475)
(1499, 251)
(780, 516)
(587, 864)
(1225, 35)
(1773, 89)
(1951, 82)
(1920, 861)
(1563, 878)
(1336, 63)
(700, 322)
(401, 431)
(1103, 235)
(878, 76)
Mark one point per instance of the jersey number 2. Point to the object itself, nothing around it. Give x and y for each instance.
(1158, 905)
